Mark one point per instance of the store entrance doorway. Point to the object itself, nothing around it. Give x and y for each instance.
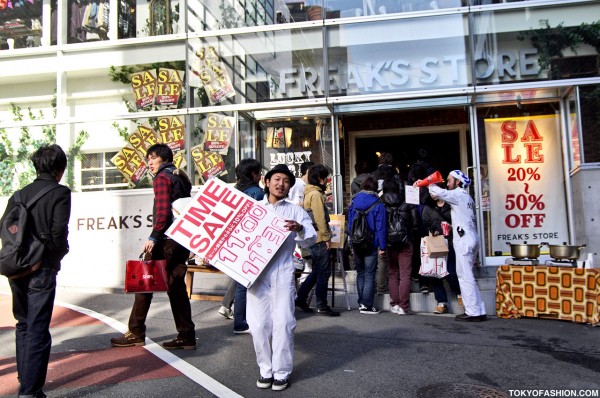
(442, 149)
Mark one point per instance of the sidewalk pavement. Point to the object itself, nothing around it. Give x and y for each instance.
(353, 355)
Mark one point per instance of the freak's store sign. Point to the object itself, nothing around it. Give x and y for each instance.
(527, 199)
(231, 230)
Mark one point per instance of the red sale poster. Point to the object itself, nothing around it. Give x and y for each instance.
(526, 181)
(231, 230)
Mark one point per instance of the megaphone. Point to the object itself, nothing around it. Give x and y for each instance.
(431, 179)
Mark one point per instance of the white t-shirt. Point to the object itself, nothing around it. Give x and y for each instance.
(296, 194)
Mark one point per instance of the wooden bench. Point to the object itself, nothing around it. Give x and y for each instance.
(189, 282)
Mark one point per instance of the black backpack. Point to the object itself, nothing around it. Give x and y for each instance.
(397, 231)
(361, 236)
(22, 250)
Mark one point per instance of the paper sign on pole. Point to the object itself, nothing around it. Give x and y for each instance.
(411, 194)
(231, 230)
(337, 224)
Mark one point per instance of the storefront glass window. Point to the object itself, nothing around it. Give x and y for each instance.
(259, 67)
(403, 55)
(228, 14)
(359, 8)
(20, 24)
(522, 178)
(536, 43)
(293, 142)
(98, 173)
(589, 100)
(213, 146)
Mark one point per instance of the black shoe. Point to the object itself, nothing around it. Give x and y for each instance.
(264, 382)
(280, 385)
(470, 318)
(302, 304)
(127, 340)
(179, 343)
(327, 311)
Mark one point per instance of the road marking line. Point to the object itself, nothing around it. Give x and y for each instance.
(193, 373)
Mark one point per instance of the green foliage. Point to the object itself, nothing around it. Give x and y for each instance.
(16, 169)
(550, 42)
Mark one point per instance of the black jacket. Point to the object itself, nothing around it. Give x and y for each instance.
(408, 212)
(433, 217)
(49, 216)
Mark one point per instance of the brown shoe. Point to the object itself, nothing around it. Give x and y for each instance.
(127, 340)
(179, 343)
(460, 301)
(442, 308)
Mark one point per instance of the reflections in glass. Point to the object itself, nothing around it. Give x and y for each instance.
(258, 67)
(410, 54)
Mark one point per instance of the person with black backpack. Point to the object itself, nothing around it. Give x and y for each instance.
(402, 222)
(367, 236)
(169, 184)
(33, 292)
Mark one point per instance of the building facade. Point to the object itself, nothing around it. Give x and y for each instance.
(508, 91)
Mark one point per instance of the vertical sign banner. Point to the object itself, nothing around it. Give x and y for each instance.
(214, 76)
(169, 86)
(208, 164)
(171, 131)
(218, 132)
(231, 230)
(280, 137)
(130, 164)
(142, 139)
(144, 88)
(526, 182)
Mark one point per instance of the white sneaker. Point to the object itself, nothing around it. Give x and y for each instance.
(402, 312)
(396, 309)
(226, 312)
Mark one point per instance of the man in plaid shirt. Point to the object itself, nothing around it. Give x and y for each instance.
(169, 185)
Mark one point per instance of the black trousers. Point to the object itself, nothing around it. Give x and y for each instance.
(176, 256)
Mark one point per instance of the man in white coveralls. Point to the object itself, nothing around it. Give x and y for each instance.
(270, 306)
(465, 240)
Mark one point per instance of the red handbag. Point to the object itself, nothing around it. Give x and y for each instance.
(146, 276)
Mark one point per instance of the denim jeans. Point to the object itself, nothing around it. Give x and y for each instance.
(319, 275)
(366, 268)
(33, 301)
(437, 285)
(239, 309)
(176, 256)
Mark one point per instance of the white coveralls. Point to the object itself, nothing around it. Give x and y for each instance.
(270, 300)
(465, 246)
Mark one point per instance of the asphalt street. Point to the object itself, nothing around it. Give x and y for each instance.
(354, 355)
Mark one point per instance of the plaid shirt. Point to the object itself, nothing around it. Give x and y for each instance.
(162, 212)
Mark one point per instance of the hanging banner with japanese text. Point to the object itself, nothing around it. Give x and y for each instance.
(171, 131)
(218, 130)
(231, 230)
(143, 85)
(130, 164)
(169, 86)
(208, 164)
(213, 75)
(526, 182)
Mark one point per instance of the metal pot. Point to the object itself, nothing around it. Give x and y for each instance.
(524, 250)
(564, 251)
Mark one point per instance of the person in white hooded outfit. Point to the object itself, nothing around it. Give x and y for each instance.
(465, 240)
(270, 300)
